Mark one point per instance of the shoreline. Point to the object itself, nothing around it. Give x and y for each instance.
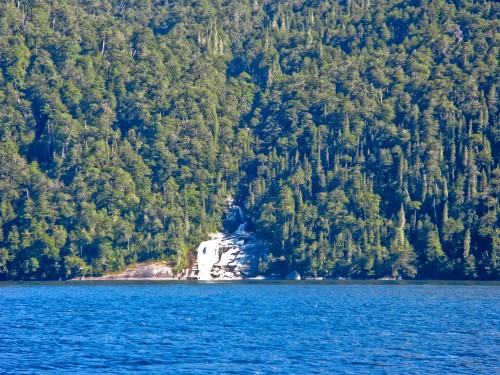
(255, 280)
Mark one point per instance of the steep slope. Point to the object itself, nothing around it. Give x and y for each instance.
(362, 138)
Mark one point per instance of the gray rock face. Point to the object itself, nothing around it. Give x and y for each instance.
(237, 257)
(294, 275)
(143, 271)
(232, 255)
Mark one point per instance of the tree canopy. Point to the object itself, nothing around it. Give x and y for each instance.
(361, 136)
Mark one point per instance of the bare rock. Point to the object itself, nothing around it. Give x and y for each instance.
(294, 275)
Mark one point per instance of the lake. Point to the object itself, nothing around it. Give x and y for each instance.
(250, 327)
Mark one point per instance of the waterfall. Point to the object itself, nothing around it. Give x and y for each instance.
(224, 255)
(208, 255)
(242, 226)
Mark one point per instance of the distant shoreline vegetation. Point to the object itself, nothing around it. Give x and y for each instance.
(361, 138)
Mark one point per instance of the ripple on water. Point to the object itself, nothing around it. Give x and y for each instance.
(245, 328)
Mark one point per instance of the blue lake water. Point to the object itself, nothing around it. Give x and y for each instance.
(250, 328)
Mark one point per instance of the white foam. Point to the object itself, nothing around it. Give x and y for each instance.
(208, 255)
(242, 217)
(243, 225)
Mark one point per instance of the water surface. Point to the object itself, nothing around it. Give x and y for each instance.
(250, 327)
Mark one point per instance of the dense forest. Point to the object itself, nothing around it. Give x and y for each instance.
(362, 137)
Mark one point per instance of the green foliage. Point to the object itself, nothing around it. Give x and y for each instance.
(363, 138)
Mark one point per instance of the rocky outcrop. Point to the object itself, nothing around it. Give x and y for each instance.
(294, 275)
(145, 271)
(231, 256)
(240, 256)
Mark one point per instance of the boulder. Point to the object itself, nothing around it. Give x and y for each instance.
(294, 275)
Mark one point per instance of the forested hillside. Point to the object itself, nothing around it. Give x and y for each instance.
(362, 137)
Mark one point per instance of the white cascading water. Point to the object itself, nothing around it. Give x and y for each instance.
(208, 251)
(208, 255)
(242, 226)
